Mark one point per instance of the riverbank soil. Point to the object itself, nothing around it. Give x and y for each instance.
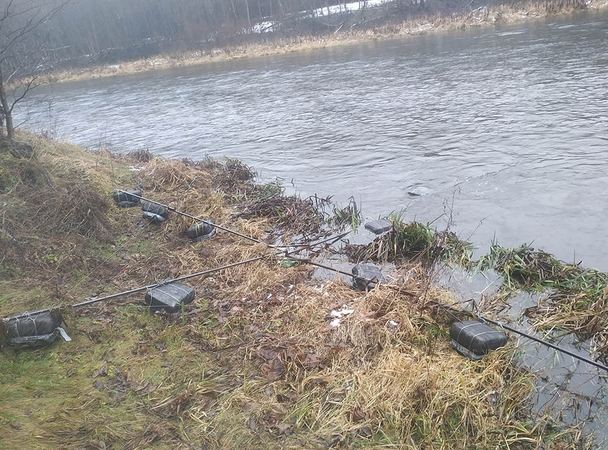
(253, 361)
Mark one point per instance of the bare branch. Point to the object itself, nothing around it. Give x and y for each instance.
(21, 55)
(28, 86)
(34, 21)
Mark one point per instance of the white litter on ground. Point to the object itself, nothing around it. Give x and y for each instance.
(337, 315)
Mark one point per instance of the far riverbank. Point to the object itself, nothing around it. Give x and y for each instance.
(479, 17)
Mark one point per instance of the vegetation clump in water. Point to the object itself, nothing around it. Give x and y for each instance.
(414, 241)
(576, 300)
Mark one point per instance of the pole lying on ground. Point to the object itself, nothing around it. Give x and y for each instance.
(287, 255)
(190, 216)
(257, 241)
(529, 336)
(306, 261)
(341, 272)
(143, 288)
(506, 327)
(171, 280)
(184, 277)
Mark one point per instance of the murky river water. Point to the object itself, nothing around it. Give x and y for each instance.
(505, 129)
(508, 127)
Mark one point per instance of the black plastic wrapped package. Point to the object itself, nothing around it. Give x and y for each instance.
(366, 276)
(379, 226)
(170, 297)
(125, 199)
(475, 339)
(154, 212)
(201, 230)
(32, 329)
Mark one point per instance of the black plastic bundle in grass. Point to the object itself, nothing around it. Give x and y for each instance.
(475, 339)
(157, 213)
(32, 329)
(201, 230)
(127, 199)
(366, 276)
(169, 297)
(154, 212)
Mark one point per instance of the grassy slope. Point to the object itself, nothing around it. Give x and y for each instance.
(252, 363)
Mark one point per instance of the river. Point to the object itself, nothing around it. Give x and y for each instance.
(499, 133)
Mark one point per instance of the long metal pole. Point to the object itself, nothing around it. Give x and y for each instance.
(341, 272)
(170, 208)
(185, 277)
(548, 344)
(142, 288)
(306, 261)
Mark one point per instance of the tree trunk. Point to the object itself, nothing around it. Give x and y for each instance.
(248, 15)
(8, 116)
(10, 130)
(236, 19)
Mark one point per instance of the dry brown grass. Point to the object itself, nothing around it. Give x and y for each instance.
(368, 381)
(170, 176)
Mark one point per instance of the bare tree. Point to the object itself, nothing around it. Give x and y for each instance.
(22, 52)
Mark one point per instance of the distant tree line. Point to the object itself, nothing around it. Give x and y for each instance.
(122, 29)
(101, 31)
